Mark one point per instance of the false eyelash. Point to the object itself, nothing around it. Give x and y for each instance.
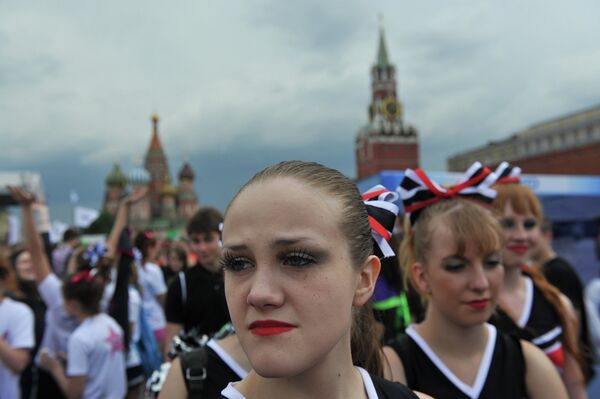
(299, 253)
(227, 259)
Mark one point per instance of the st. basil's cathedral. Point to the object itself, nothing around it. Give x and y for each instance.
(166, 206)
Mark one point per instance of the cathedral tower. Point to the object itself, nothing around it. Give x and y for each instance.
(385, 143)
(156, 163)
(187, 200)
(116, 181)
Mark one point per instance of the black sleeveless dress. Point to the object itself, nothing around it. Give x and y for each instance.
(501, 373)
(538, 323)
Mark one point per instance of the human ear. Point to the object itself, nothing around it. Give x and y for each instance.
(420, 278)
(366, 280)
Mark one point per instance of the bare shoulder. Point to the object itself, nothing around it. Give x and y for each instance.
(541, 378)
(174, 386)
(393, 367)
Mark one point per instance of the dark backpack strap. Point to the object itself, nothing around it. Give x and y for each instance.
(193, 367)
(391, 390)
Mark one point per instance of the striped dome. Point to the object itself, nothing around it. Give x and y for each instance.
(139, 176)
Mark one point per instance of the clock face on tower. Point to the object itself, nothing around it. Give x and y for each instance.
(391, 108)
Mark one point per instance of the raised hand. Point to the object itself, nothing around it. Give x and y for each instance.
(135, 196)
(23, 197)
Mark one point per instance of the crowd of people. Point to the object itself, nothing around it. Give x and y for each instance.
(305, 288)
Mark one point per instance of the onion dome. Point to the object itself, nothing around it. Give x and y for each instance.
(116, 177)
(139, 176)
(186, 172)
(168, 188)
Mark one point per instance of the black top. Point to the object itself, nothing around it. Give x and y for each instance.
(539, 323)
(391, 390)
(561, 274)
(205, 308)
(501, 374)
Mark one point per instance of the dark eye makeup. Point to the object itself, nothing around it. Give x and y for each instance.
(297, 258)
(234, 263)
(528, 224)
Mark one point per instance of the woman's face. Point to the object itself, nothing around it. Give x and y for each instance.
(289, 280)
(521, 236)
(461, 287)
(24, 267)
(153, 251)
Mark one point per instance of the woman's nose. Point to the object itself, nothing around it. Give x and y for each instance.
(265, 290)
(479, 279)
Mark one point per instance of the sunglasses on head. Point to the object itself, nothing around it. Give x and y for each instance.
(509, 224)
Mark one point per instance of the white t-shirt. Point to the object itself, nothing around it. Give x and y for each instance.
(16, 328)
(96, 350)
(134, 310)
(59, 323)
(153, 283)
(231, 392)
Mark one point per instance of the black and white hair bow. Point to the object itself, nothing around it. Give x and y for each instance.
(382, 215)
(418, 191)
(505, 173)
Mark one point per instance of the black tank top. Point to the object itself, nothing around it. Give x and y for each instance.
(538, 323)
(501, 373)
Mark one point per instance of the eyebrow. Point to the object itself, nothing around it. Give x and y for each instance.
(280, 242)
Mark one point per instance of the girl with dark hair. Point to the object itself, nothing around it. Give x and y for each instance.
(299, 268)
(95, 355)
(451, 253)
(152, 281)
(530, 305)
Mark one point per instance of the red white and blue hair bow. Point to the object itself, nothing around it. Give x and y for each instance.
(507, 174)
(382, 213)
(418, 191)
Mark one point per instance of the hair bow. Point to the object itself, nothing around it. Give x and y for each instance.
(82, 275)
(418, 191)
(505, 173)
(382, 215)
(221, 235)
(94, 252)
(137, 255)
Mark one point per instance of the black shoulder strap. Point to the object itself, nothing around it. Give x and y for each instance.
(514, 353)
(193, 367)
(391, 390)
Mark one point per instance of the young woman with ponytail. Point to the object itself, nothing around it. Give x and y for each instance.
(529, 304)
(299, 265)
(452, 255)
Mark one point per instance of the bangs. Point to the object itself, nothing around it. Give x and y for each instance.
(476, 227)
(521, 199)
(470, 224)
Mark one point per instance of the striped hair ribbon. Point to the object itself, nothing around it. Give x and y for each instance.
(382, 215)
(507, 174)
(418, 191)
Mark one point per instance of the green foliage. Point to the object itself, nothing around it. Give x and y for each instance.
(101, 225)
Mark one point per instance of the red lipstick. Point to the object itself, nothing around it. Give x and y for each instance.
(519, 249)
(265, 328)
(479, 304)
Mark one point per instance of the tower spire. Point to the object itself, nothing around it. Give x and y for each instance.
(382, 55)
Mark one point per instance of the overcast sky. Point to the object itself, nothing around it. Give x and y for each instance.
(241, 84)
